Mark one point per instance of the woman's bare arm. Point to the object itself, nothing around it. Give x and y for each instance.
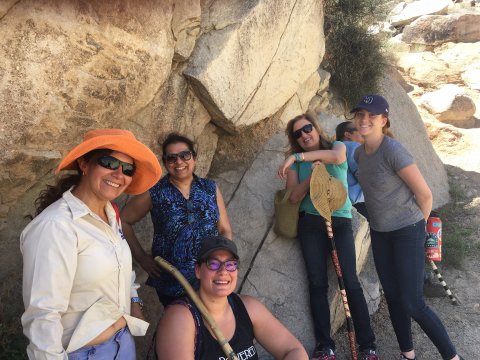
(271, 333)
(175, 337)
(415, 181)
(135, 210)
(224, 227)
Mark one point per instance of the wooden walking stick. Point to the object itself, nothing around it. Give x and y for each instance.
(453, 298)
(227, 349)
(328, 194)
(341, 285)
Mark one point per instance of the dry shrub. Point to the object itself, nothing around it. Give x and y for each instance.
(354, 56)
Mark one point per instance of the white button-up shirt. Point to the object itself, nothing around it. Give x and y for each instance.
(77, 278)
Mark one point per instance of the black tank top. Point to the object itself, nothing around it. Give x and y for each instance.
(207, 348)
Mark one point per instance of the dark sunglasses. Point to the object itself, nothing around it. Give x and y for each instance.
(215, 265)
(307, 129)
(352, 130)
(184, 155)
(111, 163)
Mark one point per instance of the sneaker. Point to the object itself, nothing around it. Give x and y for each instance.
(323, 354)
(402, 357)
(368, 354)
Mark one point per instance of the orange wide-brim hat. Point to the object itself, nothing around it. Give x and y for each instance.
(148, 170)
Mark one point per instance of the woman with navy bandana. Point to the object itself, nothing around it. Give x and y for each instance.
(184, 209)
(399, 202)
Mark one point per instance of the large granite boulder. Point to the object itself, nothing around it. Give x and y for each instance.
(438, 29)
(459, 56)
(406, 12)
(471, 76)
(244, 54)
(426, 69)
(68, 67)
(450, 105)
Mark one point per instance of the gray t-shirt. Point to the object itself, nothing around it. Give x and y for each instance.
(389, 201)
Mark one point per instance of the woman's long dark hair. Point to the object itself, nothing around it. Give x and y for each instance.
(54, 192)
(325, 141)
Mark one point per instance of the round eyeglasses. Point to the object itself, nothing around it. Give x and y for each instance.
(215, 265)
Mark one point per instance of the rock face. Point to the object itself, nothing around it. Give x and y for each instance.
(438, 53)
(406, 12)
(438, 29)
(450, 105)
(68, 67)
(274, 59)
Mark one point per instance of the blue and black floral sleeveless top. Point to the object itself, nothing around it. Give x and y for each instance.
(179, 226)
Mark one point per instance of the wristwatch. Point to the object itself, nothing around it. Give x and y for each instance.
(138, 301)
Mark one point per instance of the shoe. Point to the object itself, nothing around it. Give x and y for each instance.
(402, 357)
(324, 354)
(368, 354)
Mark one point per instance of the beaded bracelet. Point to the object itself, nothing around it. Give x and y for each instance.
(299, 157)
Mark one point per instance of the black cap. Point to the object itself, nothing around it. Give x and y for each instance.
(376, 104)
(214, 243)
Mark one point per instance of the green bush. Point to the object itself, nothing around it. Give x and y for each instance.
(353, 56)
(456, 239)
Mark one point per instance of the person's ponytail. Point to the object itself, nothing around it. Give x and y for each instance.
(54, 192)
(386, 129)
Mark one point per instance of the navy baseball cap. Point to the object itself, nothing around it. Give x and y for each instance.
(214, 243)
(376, 104)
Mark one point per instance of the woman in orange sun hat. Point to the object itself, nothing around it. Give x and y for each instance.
(78, 285)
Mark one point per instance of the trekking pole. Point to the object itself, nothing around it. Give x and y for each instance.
(453, 298)
(329, 194)
(227, 349)
(341, 285)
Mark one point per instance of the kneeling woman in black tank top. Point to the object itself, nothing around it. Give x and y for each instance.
(182, 333)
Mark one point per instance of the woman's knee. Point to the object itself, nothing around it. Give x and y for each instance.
(352, 284)
(317, 281)
(416, 309)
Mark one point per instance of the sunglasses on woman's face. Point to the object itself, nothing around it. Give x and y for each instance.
(184, 155)
(215, 265)
(307, 129)
(112, 163)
